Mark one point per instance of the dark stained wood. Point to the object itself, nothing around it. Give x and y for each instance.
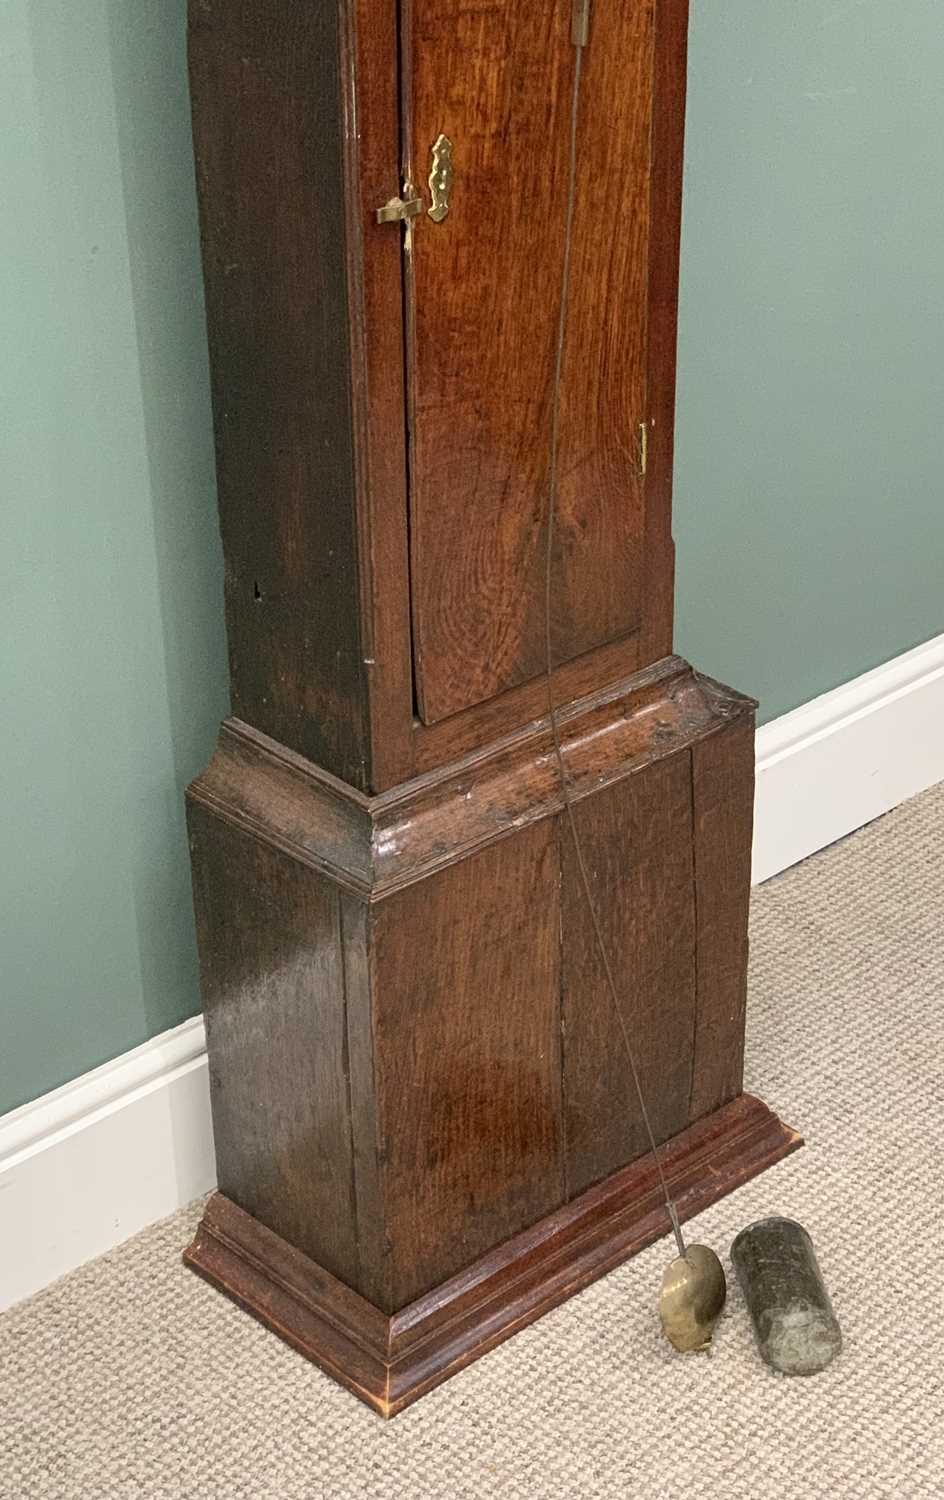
(638, 841)
(604, 398)
(267, 137)
(375, 298)
(374, 845)
(295, 126)
(367, 1143)
(467, 1057)
(271, 970)
(723, 800)
(415, 1071)
(484, 290)
(390, 1362)
(496, 81)
(665, 216)
(299, 1299)
(285, 801)
(412, 1053)
(437, 744)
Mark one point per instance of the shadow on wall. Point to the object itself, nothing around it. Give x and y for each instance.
(152, 112)
(112, 607)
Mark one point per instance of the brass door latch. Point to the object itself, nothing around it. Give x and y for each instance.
(398, 209)
(411, 205)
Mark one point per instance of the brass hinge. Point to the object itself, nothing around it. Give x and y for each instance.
(398, 209)
(643, 448)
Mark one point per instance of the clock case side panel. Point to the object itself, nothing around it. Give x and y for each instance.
(295, 122)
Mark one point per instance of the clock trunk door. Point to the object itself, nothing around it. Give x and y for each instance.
(483, 282)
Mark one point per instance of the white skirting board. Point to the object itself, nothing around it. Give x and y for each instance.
(845, 758)
(85, 1167)
(90, 1164)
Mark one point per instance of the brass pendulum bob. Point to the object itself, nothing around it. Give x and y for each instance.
(693, 1294)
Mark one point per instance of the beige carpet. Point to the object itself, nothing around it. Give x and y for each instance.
(133, 1378)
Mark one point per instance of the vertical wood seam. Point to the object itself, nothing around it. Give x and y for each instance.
(367, 1148)
(647, 317)
(408, 299)
(562, 1030)
(357, 367)
(377, 1148)
(346, 1066)
(670, 34)
(353, 256)
(371, 144)
(696, 990)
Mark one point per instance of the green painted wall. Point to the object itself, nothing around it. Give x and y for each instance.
(809, 500)
(112, 663)
(809, 515)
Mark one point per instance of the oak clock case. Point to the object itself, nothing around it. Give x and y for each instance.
(426, 1133)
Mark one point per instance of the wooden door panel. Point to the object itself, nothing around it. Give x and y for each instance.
(484, 284)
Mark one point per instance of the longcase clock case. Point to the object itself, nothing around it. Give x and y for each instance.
(426, 1130)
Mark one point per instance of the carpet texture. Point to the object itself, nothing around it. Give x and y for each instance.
(132, 1378)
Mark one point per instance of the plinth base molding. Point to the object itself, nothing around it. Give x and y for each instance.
(390, 1361)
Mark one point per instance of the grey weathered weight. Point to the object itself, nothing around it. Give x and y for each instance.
(796, 1328)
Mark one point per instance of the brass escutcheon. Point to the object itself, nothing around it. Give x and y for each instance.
(440, 178)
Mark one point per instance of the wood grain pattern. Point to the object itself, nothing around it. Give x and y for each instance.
(437, 744)
(638, 841)
(604, 396)
(484, 287)
(723, 801)
(411, 1050)
(271, 970)
(414, 1067)
(391, 1361)
(373, 845)
(369, 1152)
(295, 127)
(467, 1058)
(665, 214)
(267, 139)
(371, 119)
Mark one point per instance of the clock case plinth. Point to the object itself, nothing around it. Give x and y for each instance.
(426, 1129)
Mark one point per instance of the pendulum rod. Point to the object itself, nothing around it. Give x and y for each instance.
(580, 36)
